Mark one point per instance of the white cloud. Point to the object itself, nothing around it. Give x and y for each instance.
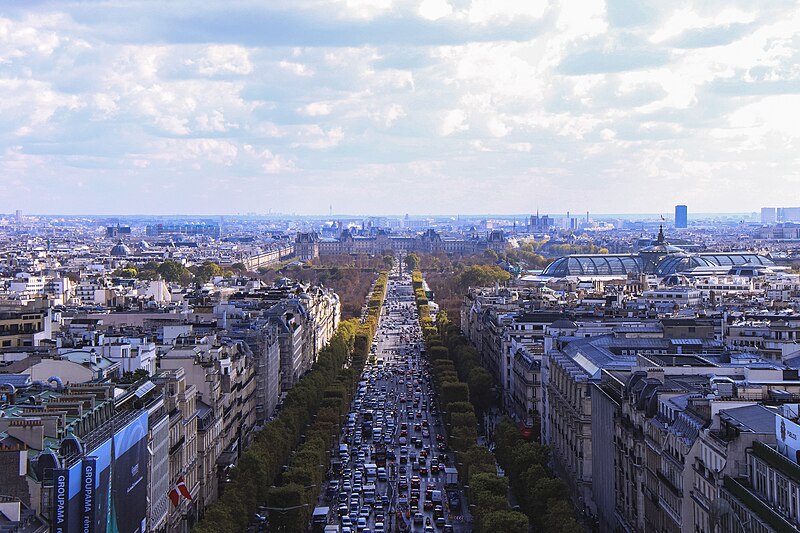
(687, 93)
(225, 60)
(453, 121)
(435, 9)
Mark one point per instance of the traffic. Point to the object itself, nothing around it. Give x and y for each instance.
(393, 471)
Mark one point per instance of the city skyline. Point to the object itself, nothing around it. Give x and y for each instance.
(376, 106)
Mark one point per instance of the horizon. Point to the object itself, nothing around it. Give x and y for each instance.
(577, 215)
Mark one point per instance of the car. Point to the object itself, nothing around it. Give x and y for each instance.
(428, 529)
(448, 528)
(439, 521)
(415, 482)
(418, 518)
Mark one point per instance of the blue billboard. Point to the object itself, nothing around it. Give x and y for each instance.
(67, 499)
(129, 478)
(110, 483)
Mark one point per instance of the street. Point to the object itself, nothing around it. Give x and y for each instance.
(393, 470)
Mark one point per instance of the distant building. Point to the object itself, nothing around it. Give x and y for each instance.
(210, 229)
(769, 215)
(540, 224)
(310, 245)
(681, 217)
(788, 214)
(112, 232)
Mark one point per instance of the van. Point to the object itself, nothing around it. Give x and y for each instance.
(344, 452)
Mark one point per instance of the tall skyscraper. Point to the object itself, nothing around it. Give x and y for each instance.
(681, 216)
(769, 215)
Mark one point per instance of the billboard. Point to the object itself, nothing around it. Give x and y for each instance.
(67, 499)
(788, 434)
(60, 520)
(110, 483)
(89, 489)
(129, 478)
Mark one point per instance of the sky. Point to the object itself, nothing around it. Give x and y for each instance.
(398, 106)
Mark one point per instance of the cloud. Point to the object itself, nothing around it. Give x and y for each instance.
(475, 102)
(601, 61)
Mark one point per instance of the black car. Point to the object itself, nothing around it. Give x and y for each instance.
(454, 501)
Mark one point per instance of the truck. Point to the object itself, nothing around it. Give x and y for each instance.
(319, 519)
(450, 477)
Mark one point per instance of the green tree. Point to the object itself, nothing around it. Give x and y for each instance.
(173, 271)
(454, 392)
(411, 261)
(480, 389)
(481, 276)
(288, 510)
(560, 518)
(207, 270)
(506, 521)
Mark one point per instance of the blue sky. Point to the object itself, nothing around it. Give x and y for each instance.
(407, 106)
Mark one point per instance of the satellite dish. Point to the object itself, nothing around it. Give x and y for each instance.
(717, 509)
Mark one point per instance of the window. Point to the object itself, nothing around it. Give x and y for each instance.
(760, 481)
(782, 492)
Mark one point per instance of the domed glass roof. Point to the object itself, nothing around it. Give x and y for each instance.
(594, 265)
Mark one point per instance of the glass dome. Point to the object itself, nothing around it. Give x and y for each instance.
(594, 265)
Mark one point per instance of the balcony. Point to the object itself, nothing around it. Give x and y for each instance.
(177, 446)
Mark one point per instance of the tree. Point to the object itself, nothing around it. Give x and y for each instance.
(388, 261)
(560, 518)
(481, 276)
(133, 377)
(208, 270)
(480, 388)
(412, 261)
(129, 271)
(507, 522)
(454, 392)
(288, 511)
(173, 271)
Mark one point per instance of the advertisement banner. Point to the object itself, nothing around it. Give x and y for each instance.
(60, 521)
(89, 487)
(129, 478)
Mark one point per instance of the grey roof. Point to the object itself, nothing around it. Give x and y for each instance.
(17, 380)
(750, 418)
